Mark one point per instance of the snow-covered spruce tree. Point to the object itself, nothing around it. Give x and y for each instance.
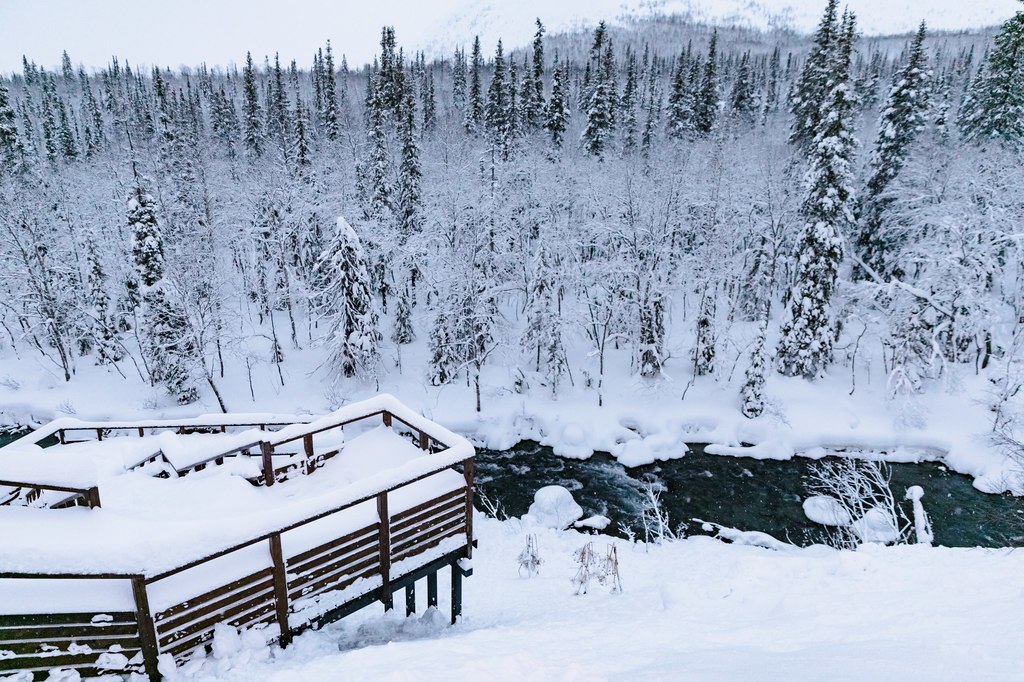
(474, 115)
(812, 87)
(542, 337)
(409, 205)
(375, 169)
(103, 331)
(8, 134)
(903, 117)
(705, 105)
(166, 346)
(752, 393)
(704, 348)
(252, 115)
(603, 97)
(352, 340)
(680, 101)
(994, 108)
(805, 348)
(742, 100)
(330, 96)
(497, 113)
(557, 114)
(403, 332)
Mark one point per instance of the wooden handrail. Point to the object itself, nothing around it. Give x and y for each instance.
(298, 524)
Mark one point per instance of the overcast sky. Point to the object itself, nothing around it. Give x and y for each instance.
(176, 32)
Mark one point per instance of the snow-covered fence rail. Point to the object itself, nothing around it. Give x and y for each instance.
(30, 491)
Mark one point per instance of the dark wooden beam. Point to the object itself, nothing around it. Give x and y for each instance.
(147, 630)
(384, 541)
(280, 588)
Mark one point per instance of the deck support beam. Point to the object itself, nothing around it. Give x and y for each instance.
(410, 599)
(456, 593)
(432, 589)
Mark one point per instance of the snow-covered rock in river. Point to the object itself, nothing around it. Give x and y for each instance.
(827, 511)
(877, 525)
(597, 522)
(554, 507)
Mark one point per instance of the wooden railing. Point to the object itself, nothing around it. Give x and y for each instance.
(89, 497)
(284, 591)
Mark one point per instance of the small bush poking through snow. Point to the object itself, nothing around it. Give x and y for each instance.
(529, 558)
(590, 566)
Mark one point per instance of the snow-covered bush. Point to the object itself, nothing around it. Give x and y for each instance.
(590, 566)
(853, 500)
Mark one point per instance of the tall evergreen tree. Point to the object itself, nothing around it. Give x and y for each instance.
(474, 115)
(252, 114)
(813, 85)
(805, 348)
(330, 95)
(705, 108)
(353, 339)
(994, 108)
(903, 117)
(167, 348)
(557, 115)
(9, 147)
(408, 192)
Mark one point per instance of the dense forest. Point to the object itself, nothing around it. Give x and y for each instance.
(700, 199)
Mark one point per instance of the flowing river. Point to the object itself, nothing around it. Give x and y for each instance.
(740, 492)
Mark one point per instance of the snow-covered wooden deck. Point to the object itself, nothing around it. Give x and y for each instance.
(274, 530)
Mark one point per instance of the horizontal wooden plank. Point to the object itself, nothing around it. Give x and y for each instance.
(32, 663)
(372, 529)
(87, 619)
(457, 506)
(427, 533)
(263, 587)
(70, 631)
(361, 545)
(338, 580)
(234, 585)
(424, 525)
(28, 646)
(353, 561)
(413, 550)
(168, 637)
(457, 494)
(249, 619)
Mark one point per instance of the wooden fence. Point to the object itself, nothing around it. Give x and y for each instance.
(278, 589)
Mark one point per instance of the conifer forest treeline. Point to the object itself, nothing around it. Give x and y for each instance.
(723, 199)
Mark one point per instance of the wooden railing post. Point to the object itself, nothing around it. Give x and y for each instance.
(99, 434)
(268, 462)
(387, 418)
(467, 471)
(280, 588)
(384, 540)
(92, 496)
(60, 436)
(424, 441)
(147, 630)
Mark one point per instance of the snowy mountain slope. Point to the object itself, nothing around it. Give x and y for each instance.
(513, 21)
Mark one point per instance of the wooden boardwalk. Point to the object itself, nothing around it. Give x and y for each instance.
(287, 586)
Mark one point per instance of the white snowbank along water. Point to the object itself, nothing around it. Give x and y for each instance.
(207, 522)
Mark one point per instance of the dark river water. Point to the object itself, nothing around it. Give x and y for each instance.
(740, 492)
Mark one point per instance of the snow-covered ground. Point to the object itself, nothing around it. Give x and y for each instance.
(694, 609)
